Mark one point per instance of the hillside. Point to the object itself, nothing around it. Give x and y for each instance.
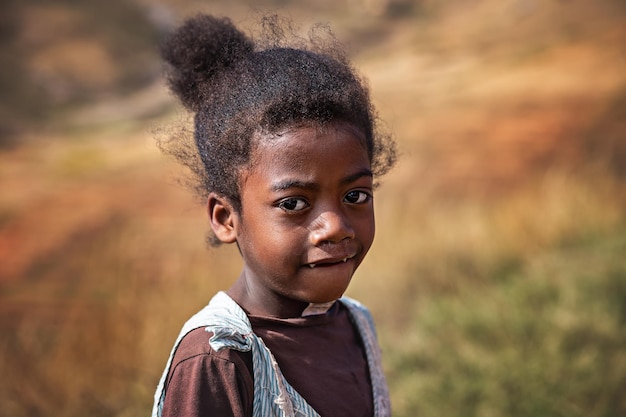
(500, 235)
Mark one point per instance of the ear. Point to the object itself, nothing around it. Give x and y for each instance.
(223, 218)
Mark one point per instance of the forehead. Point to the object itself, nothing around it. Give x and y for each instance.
(310, 151)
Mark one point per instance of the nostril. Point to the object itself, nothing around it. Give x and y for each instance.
(330, 227)
(334, 242)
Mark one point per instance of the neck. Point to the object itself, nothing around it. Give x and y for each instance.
(264, 302)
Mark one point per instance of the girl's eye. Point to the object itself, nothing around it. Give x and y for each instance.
(293, 204)
(357, 197)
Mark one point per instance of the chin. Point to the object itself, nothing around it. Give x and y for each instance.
(328, 296)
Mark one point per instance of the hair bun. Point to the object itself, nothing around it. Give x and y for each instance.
(197, 51)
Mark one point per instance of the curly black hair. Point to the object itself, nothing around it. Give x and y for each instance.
(238, 87)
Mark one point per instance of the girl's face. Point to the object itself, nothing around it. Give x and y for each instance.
(307, 218)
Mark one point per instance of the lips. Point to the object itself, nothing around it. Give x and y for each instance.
(329, 262)
(331, 254)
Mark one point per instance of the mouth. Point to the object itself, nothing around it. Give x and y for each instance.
(329, 262)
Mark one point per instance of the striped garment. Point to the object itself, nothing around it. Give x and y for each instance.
(273, 396)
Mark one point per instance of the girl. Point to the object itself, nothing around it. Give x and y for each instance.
(288, 153)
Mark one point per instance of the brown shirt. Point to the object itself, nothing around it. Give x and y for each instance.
(321, 356)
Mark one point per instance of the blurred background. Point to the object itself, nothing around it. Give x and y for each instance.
(498, 275)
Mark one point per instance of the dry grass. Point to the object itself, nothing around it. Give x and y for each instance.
(496, 277)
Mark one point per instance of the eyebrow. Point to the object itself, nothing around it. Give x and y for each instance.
(306, 185)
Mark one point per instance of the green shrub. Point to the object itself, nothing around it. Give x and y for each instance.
(549, 341)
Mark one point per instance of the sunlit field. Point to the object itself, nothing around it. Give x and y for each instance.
(498, 274)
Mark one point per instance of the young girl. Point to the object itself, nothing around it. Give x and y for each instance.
(289, 152)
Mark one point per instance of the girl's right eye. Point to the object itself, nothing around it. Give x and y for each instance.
(293, 204)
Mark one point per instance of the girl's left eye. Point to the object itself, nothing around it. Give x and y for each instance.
(357, 197)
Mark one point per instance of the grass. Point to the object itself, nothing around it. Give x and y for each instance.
(497, 276)
(89, 333)
(540, 335)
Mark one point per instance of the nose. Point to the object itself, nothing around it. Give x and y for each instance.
(331, 226)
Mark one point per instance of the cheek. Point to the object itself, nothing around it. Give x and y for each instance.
(267, 244)
(366, 230)
(371, 232)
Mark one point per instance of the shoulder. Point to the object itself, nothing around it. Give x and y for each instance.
(356, 308)
(203, 381)
(351, 302)
(360, 315)
(195, 347)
